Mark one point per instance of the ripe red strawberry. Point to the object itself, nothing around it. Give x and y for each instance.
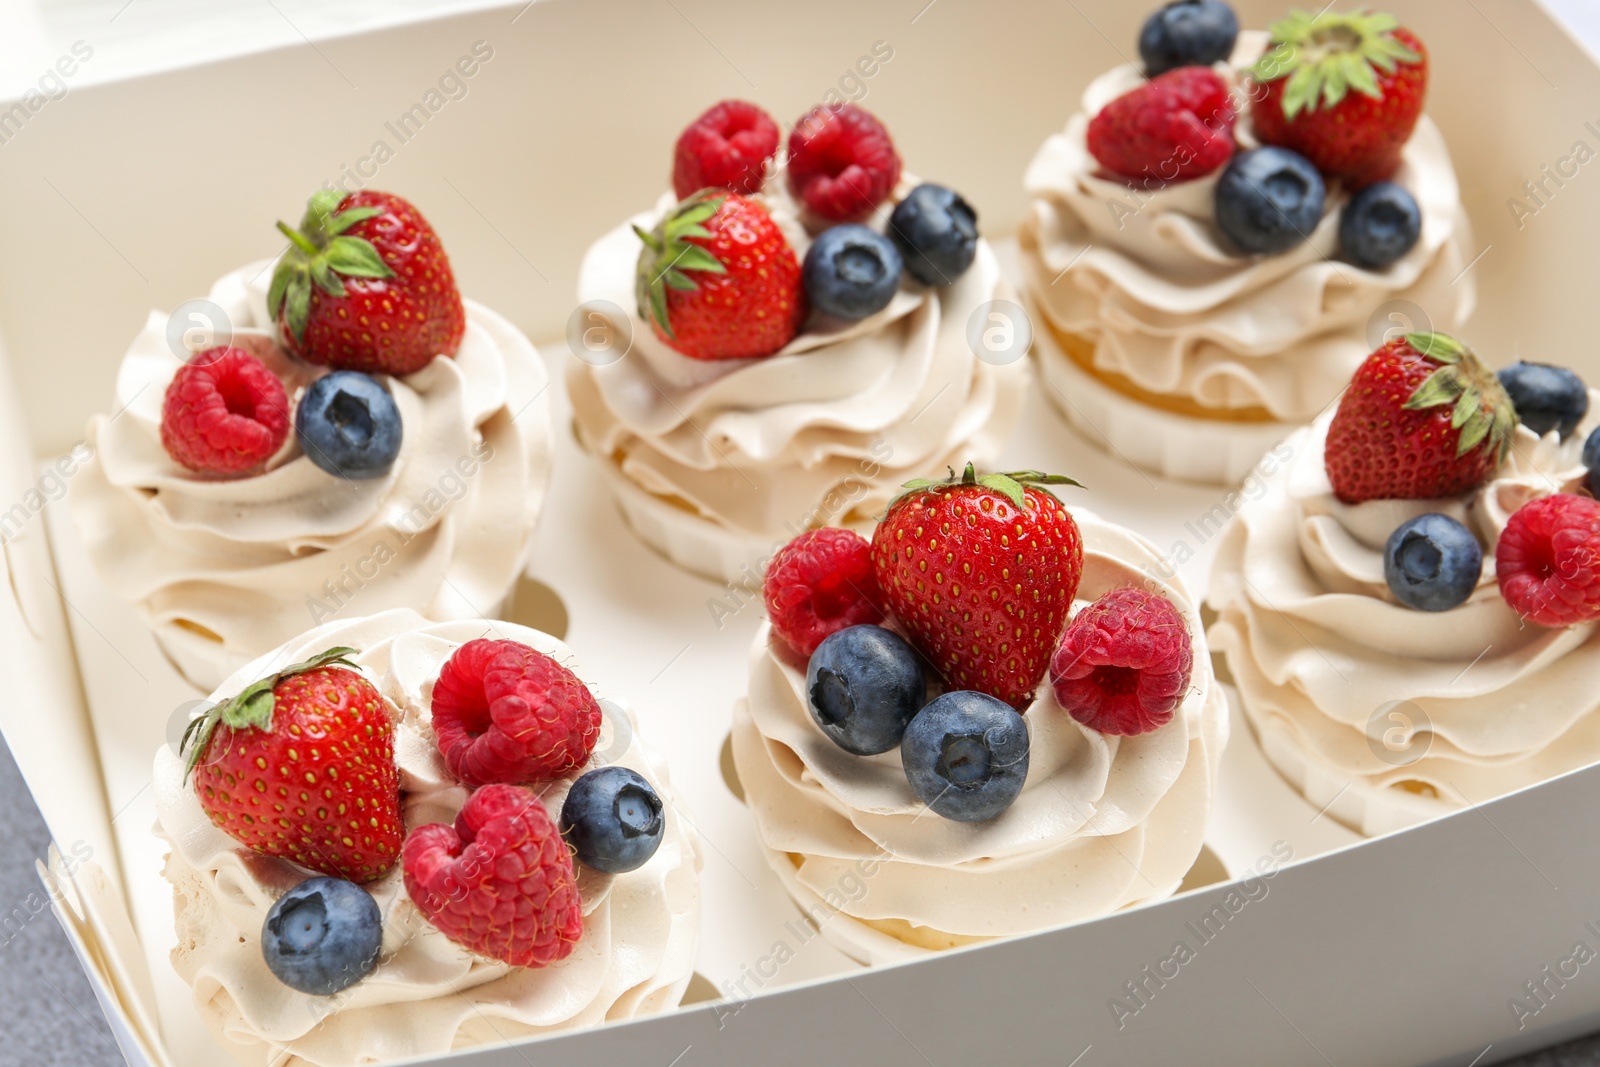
(500, 881)
(1173, 128)
(224, 413)
(365, 285)
(1422, 418)
(821, 583)
(718, 280)
(981, 572)
(1548, 560)
(1123, 665)
(842, 163)
(1343, 90)
(300, 765)
(726, 148)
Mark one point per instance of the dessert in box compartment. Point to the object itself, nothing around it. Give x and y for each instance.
(788, 341)
(394, 837)
(1411, 608)
(994, 717)
(1218, 238)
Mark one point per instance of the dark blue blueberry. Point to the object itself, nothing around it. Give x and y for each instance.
(851, 272)
(864, 684)
(1188, 33)
(612, 819)
(1269, 200)
(1591, 460)
(937, 232)
(349, 425)
(322, 936)
(1546, 398)
(966, 755)
(1432, 563)
(1380, 224)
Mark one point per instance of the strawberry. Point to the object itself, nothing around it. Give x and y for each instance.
(1422, 418)
(718, 280)
(300, 765)
(1343, 90)
(980, 571)
(365, 285)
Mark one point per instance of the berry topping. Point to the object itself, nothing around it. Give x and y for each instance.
(349, 425)
(1548, 560)
(1432, 563)
(500, 881)
(1380, 224)
(851, 272)
(966, 755)
(613, 820)
(503, 712)
(1269, 200)
(842, 163)
(322, 936)
(863, 685)
(1422, 418)
(718, 280)
(1546, 398)
(727, 148)
(1123, 665)
(1187, 33)
(224, 413)
(820, 583)
(1591, 460)
(937, 232)
(1173, 128)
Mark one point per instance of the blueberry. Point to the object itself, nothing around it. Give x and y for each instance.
(349, 425)
(1187, 33)
(322, 936)
(1591, 460)
(1380, 224)
(1432, 563)
(851, 272)
(864, 683)
(1269, 200)
(966, 755)
(612, 819)
(1546, 398)
(937, 232)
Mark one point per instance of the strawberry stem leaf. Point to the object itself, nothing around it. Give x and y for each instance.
(319, 251)
(668, 252)
(1327, 55)
(1009, 484)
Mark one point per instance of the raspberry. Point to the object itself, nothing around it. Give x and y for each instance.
(842, 163)
(500, 882)
(225, 413)
(726, 148)
(820, 583)
(1548, 560)
(503, 712)
(1123, 665)
(1171, 129)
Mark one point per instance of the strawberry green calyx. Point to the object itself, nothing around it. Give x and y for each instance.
(1009, 485)
(319, 252)
(253, 706)
(1328, 54)
(1483, 411)
(668, 252)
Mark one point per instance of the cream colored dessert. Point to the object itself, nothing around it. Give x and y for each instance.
(223, 570)
(1383, 714)
(1102, 823)
(427, 995)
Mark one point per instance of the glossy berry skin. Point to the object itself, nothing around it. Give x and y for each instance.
(818, 584)
(1591, 460)
(966, 756)
(1123, 665)
(1548, 560)
(851, 272)
(1173, 128)
(613, 819)
(1546, 398)
(1268, 200)
(936, 232)
(500, 881)
(726, 148)
(1187, 33)
(842, 163)
(1379, 225)
(349, 425)
(1432, 563)
(322, 936)
(862, 686)
(225, 413)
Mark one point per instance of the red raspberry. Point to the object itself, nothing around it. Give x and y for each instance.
(503, 712)
(726, 148)
(1123, 665)
(225, 413)
(500, 882)
(1172, 128)
(842, 163)
(821, 583)
(1548, 560)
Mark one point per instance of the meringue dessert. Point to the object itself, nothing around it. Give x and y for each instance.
(545, 881)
